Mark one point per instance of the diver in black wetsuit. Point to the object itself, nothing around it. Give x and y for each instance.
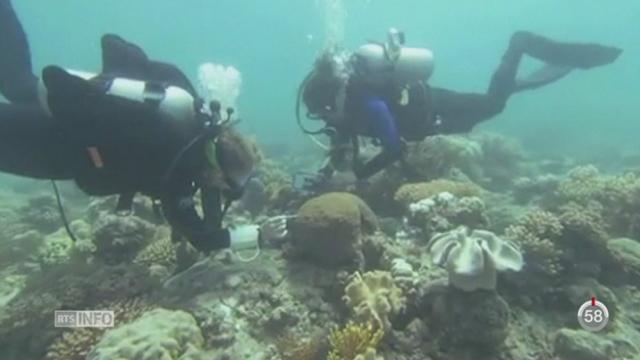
(381, 92)
(137, 127)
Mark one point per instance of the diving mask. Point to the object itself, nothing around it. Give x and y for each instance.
(235, 181)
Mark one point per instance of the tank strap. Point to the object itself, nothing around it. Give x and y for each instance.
(154, 93)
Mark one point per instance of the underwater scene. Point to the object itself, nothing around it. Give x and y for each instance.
(319, 180)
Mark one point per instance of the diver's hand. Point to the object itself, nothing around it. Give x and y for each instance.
(274, 228)
(244, 237)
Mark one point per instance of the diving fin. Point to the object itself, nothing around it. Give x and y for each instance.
(546, 74)
(575, 55)
(121, 58)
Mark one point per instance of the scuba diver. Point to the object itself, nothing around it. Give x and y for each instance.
(381, 92)
(137, 127)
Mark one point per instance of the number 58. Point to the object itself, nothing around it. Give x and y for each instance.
(591, 315)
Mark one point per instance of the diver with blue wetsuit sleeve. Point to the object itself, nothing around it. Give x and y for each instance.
(380, 92)
(136, 127)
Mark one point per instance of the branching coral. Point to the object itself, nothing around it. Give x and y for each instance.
(374, 297)
(411, 193)
(354, 342)
(160, 252)
(536, 234)
(584, 222)
(290, 347)
(619, 195)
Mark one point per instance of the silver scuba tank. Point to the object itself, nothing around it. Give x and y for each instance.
(173, 101)
(392, 62)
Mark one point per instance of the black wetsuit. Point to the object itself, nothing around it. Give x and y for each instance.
(377, 112)
(135, 143)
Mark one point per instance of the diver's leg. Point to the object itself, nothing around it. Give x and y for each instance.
(575, 55)
(31, 146)
(17, 82)
(559, 59)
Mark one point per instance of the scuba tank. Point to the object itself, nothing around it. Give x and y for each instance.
(170, 100)
(381, 64)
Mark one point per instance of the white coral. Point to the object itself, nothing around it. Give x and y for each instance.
(472, 258)
(159, 334)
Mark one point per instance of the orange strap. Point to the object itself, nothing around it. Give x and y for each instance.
(95, 156)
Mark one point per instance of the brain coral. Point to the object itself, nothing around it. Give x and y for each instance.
(159, 334)
(328, 229)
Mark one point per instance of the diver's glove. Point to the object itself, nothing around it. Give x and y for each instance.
(274, 229)
(244, 237)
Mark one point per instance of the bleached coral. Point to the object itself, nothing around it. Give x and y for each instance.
(158, 334)
(473, 258)
(374, 297)
(444, 212)
(412, 193)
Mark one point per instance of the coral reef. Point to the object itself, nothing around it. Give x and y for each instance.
(572, 344)
(618, 194)
(537, 234)
(354, 342)
(119, 238)
(328, 229)
(473, 258)
(412, 193)
(436, 156)
(158, 334)
(58, 248)
(42, 213)
(75, 344)
(479, 318)
(161, 252)
(373, 297)
(626, 254)
(444, 212)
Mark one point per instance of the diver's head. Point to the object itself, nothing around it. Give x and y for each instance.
(231, 160)
(320, 88)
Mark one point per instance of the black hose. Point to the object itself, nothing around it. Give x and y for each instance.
(304, 83)
(63, 216)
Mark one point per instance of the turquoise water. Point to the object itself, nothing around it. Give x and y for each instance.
(273, 44)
